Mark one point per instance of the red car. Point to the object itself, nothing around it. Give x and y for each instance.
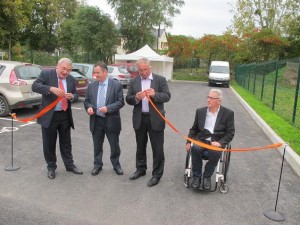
(131, 68)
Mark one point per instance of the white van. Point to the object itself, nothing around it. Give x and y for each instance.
(219, 73)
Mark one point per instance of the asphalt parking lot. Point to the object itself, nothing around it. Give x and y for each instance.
(27, 196)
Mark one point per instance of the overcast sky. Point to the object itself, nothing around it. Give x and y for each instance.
(198, 17)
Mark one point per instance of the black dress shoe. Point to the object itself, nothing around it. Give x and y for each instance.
(118, 170)
(51, 174)
(74, 169)
(153, 181)
(206, 183)
(137, 174)
(96, 171)
(196, 182)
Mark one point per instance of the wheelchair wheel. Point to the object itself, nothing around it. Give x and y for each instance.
(225, 164)
(188, 170)
(224, 188)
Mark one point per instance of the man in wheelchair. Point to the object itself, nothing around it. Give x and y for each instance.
(214, 125)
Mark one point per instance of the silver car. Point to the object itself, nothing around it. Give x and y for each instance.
(16, 79)
(119, 73)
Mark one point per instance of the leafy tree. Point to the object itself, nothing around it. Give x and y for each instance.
(139, 17)
(294, 38)
(261, 45)
(276, 15)
(181, 48)
(12, 19)
(45, 19)
(94, 32)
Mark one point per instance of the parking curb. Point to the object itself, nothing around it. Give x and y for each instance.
(290, 155)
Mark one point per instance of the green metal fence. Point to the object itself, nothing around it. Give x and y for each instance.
(275, 83)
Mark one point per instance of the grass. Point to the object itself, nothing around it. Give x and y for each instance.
(289, 133)
(280, 124)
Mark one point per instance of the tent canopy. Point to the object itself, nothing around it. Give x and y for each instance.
(161, 64)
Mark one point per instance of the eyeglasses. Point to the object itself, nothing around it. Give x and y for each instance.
(212, 98)
(142, 70)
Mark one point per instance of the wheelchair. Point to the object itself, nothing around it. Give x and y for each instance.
(221, 170)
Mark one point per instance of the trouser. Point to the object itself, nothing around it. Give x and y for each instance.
(197, 162)
(157, 143)
(59, 124)
(99, 133)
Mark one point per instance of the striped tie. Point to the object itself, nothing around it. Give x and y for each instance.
(101, 100)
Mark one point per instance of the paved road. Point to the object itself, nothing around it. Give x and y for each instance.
(27, 196)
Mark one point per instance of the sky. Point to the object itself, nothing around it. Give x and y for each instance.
(197, 17)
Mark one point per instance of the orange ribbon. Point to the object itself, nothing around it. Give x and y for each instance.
(204, 145)
(42, 112)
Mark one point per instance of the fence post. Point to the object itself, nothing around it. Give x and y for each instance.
(263, 84)
(296, 94)
(275, 86)
(254, 82)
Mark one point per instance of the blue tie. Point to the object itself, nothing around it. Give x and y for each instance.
(101, 99)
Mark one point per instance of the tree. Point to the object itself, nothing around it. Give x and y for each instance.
(276, 15)
(181, 48)
(139, 17)
(12, 19)
(261, 45)
(94, 32)
(294, 38)
(46, 17)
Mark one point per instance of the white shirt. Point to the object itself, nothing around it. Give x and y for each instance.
(210, 121)
(146, 84)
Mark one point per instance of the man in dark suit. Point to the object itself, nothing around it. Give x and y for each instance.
(53, 84)
(103, 101)
(146, 121)
(213, 125)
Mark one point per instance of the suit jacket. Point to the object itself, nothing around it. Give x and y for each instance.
(162, 95)
(114, 102)
(224, 127)
(42, 85)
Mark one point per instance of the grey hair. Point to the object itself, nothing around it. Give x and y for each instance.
(65, 60)
(143, 60)
(218, 91)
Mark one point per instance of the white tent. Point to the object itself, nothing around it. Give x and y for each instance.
(161, 64)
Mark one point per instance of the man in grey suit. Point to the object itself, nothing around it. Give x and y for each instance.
(213, 125)
(52, 84)
(103, 101)
(146, 121)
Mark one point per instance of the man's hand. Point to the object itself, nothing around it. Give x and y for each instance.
(140, 95)
(90, 111)
(150, 92)
(216, 144)
(57, 91)
(188, 147)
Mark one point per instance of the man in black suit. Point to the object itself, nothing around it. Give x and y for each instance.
(53, 84)
(213, 125)
(103, 101)
(146, 121)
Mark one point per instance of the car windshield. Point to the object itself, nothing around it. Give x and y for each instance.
(219, 69)
(76, 74)
(110, 69)
(123, 70)
(133, 68)
(27, 72)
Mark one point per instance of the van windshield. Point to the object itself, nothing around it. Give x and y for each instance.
(219, 69)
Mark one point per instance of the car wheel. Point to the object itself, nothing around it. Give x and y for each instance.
(4, 107)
